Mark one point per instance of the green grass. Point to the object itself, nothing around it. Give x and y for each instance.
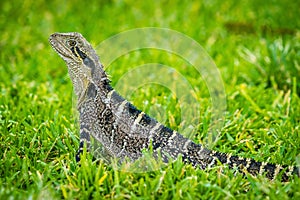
(255, 44)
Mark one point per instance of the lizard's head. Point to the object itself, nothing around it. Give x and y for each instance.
(72, 47)
(83, 63)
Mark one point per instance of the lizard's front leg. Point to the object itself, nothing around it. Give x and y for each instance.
(84, 139)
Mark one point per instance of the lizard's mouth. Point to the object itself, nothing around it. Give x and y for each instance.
(60, 48)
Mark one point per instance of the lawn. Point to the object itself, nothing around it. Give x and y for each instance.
(255, 46)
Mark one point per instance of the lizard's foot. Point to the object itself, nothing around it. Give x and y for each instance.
(80, 150)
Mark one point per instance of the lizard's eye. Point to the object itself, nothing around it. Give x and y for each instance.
(72, 43)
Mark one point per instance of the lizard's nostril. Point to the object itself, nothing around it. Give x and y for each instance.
(54, 35)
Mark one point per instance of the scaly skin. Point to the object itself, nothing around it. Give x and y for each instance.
(123, 130)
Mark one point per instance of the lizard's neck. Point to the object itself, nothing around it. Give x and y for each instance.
(89, 79)
(100, 79)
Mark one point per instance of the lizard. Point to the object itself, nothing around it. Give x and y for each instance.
(125, 131)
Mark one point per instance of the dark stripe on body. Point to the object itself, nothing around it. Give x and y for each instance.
(269, 170)
(221, 156)
(116, 98)
(254, 167)
(91, 91)
(161, 139)
(146, 120)
(133, 111)
(235, 160)
(106, 85)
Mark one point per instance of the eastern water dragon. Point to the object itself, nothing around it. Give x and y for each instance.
(123, 130)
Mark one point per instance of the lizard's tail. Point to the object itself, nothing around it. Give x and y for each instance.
(253, 167)
(205, 158)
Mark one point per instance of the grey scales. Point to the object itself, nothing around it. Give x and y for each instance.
(123, 130)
